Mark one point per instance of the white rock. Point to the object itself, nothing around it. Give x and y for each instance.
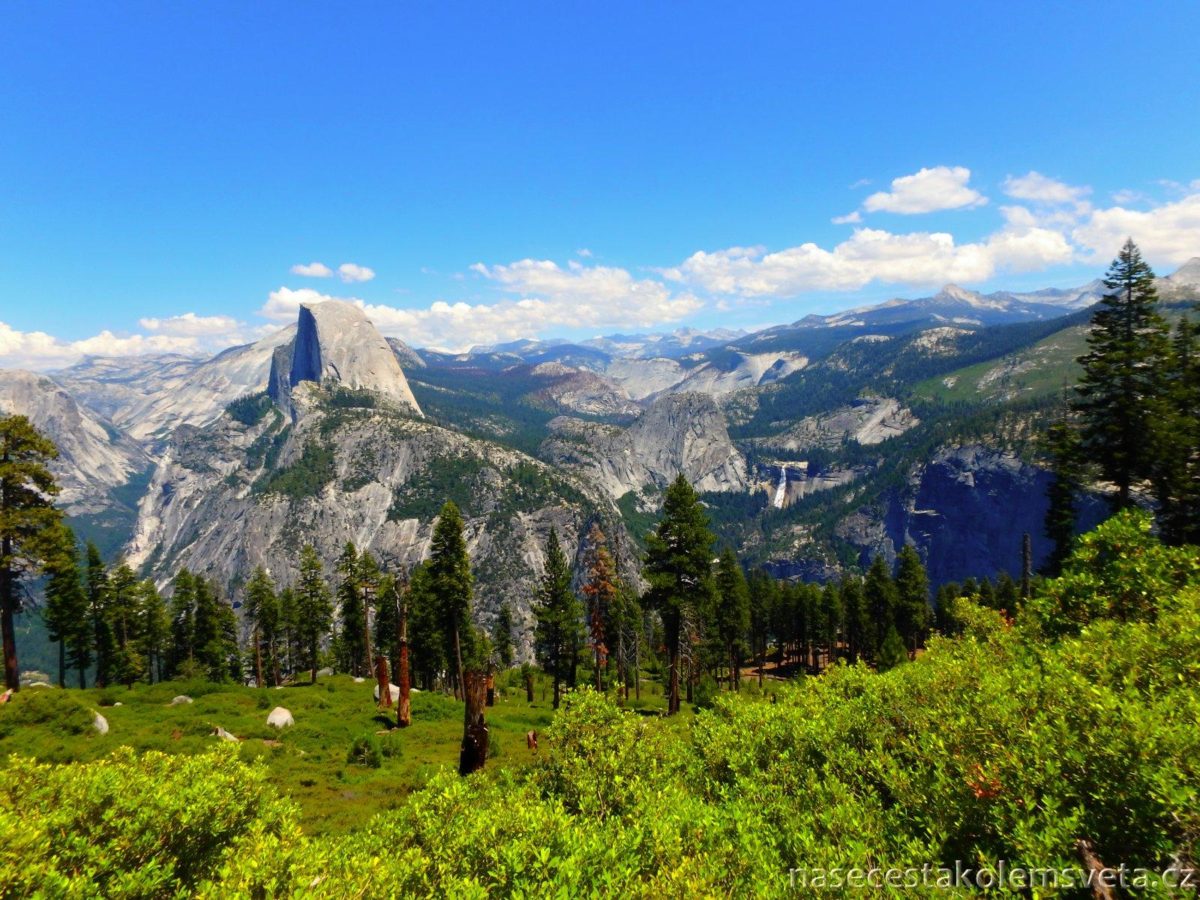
(118, 703)
(321, 673)
(181, 699)
(223, 734)
(280, 718)
(99, 722)
(395, 691)
(359, 680)
(39, 684)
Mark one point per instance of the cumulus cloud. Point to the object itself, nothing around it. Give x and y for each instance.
(849, 219)
(191, 325)
(929, 190)
(312, 270)
(351, 272)
(1168, 234)
(547, 296)
(38, 350)
(1037, 188)
(916, 259)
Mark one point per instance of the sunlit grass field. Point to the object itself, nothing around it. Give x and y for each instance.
(310, 761)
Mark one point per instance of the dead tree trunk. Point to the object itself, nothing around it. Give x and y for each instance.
(475, 731)
(367, 624)
(403, 709)
(491, 689)
(381, 678)
(529, 686)
(258, 670)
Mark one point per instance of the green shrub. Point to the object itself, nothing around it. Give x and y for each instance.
(59, 710)
(365, 751)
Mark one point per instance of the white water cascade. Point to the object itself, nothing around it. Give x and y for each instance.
(781, 489)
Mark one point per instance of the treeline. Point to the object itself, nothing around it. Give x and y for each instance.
(1133, 420)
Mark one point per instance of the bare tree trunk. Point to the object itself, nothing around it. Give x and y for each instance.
(673, 681)
(403, 709)
(529, 687)
(385, 685)
(62, 664)
(258, 672)
(475, 731)
(8, 603)
(491, 689)
(459, 685)
(367, 624)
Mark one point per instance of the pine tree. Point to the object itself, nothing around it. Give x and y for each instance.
(1063, 445)
(314, 608)
(559, 618)
(183, 625)
(352, 613)
(912, 598)
(881, 599)
(601, 593)
(98, 599)
(427, 641)
(891, 651)
(1176, 456)
(857, 618)
(763, 597)
(1122, 373)
(732, 613)
(679, 571)
(66, 604)
(262, 610)
(124, 601)
(452, 584)
(502, 636)
(154, 629)
(27, 519)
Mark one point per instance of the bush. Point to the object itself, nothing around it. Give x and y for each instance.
(60, 710)
(365, 751)
(704, 693)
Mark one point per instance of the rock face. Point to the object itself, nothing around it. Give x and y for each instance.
(94, 457)
(571, 390)
(966, 511)
(280, 718)
(680, 433)
(335, 341)
(869, 420)
(233, 496)
(150, 401)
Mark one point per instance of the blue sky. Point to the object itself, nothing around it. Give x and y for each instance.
(571, 168)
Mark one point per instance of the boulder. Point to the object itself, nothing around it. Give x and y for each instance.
(321, 673)
(395, 691)
(224, 735)
(359, 680)
(39, 684)
(118, 703)
(280, 718)
(99, 722)
(180, 700)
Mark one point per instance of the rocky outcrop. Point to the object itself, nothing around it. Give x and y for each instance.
(680, 433)
(94, 456)
(966, 511)
(231, 497)
(336, 342)
(868, 420)
(570, 390)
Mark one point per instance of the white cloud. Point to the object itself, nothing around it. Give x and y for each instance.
(350, 272)
(929, 190)
(1037, 188)
(312, 270)
(1168, 234)
(191, 325)
(916, 259)
(849, 219)
(38, 350)
(548, 296)
(584, 253)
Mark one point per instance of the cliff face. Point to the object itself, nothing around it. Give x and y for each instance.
(680, 433)
(230, 497)
(335, 341)
(94, 457)
(966, 511)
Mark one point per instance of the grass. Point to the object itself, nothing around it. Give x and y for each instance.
(307, 761)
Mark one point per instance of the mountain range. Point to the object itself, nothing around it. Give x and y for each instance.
(816, 445)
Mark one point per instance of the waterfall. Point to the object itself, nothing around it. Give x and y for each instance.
(781, 489)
